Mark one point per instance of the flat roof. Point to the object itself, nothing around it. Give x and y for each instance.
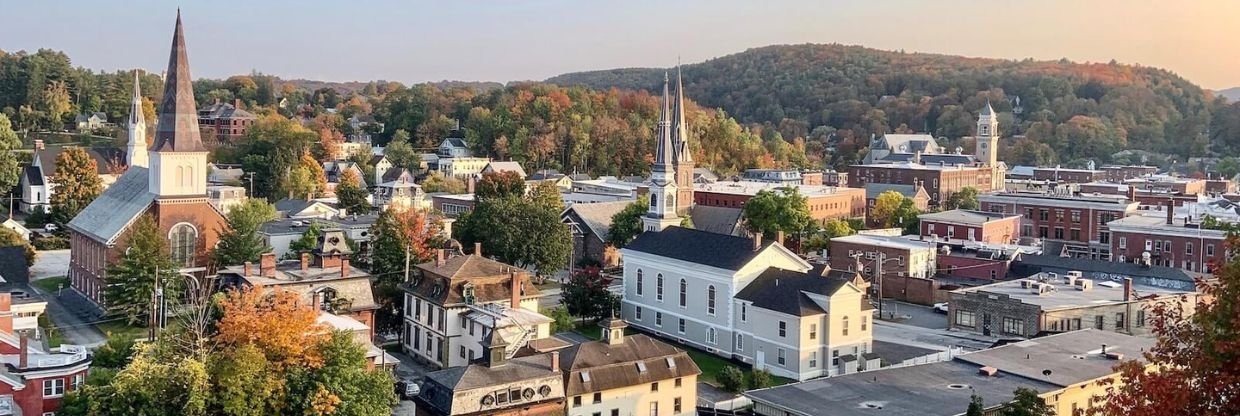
(1084, 198)
(961, 216)
(751, 188)
(919, 166)
(944, 388)
(1067, 297)
(886, 241)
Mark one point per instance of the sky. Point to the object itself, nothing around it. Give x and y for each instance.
(416, 41)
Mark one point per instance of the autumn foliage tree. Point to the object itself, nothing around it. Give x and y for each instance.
(500, 184)
(279, 323)
(1194, 368)
(351, 194)
(77, 183)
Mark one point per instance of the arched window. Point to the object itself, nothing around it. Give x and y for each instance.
(189, 176)
(684, 292)
(180, 174)
(658, 287)
(669, 200)
(654, 201)
(710, 300)
(324, 298)
(639, 282)
(710, 335)
(184, 240)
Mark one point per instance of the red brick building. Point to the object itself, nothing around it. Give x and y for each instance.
(172, 190)
(984, 264)
(1123, 173)
(980, 226)
(1076, 224)
(825, 202)
(1064, 175)
(223, 123)
(33, 380)
(1169, 241)
(940, 181)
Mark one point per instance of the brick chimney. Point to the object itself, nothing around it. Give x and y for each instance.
(248, 268)
(305, 262)
(1170, 211)
(515, 281)
(1132, 193)
(344, 268)
(757, 241)
(439, 257)
(237, 103)
(477, 248)
(267, 265)
(779, 237)
(555, 361)
(23, 355)
(1127, 289)
(38, 144)
(469, 186)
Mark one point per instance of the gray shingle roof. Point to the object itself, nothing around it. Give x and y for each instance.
(615, 366)
(719, 220)
(597, 216)
(109, 214)
(699, 247)
(784, 290)
(476, 376)
(33, 175)
(505, 167)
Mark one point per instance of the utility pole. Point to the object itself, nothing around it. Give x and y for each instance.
(878, 279)
(151, 333)
(251, 175)
(406, 264)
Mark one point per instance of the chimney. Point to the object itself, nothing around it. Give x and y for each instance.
(249, 268)
(344, 268)
(217, 100)
(23, 355)
(779, 237)
(1127, 289)
(267, 265)
(438, 257)
(237, 103)
(469, 186)
(1170, 211)
(757, 241)
(305, 262)
(6, 315)
(1132, 193)
(555, 361)
(477, 248)
(38, 144)
(515, 302)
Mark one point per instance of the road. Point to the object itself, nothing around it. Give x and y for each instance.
(50, 263)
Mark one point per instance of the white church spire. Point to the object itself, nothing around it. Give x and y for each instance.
(136, 151)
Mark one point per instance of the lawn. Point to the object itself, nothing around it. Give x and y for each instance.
(51, 284)
(54, 337)
(120, 328)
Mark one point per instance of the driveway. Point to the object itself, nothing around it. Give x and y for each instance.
(74, 316)
(915, 315)
(50, 263)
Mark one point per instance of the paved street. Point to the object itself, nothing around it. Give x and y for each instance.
(50, 263)
(915, 315)
(937, 339)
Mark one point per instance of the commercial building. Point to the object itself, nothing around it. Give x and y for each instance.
(1065, 175)
(1049, 302)
(1065, 369)
(979, 226)
(1075, 224)
(628, 375)
(824, 202)
(901, 256)
(1167, 240)
(34, 380)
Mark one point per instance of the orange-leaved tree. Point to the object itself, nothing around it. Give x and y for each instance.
(1194, 368)
(278, 322)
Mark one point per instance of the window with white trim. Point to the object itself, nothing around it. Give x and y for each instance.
(639, 282)
(658, 287)
(710, 300)
(54, 387)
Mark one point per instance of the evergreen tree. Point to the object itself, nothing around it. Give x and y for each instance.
(976, 408)
(240, 241)
(77, 183)
(131, 281)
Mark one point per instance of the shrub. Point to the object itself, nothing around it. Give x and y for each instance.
(563, 321)
(732, 379)
(50, 243)
(759, 379)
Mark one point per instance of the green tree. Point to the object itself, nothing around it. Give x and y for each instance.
(759, 379)
(976, 408)
(351, 195)
(731, 379)
(627, 224)
(157, 384)
(240, 241)
(906, 217)
(1026, 403)
(400, 233)
(342, 386)
(55, 103)
(965, 198)
(500, 185)
(132, 279)
(586, 295)
(10, 238)
(835, 227)
(77, 184)
(400, 152)
(308, 241)
(783, 209)
(10, 172)
(115, 353)
(507, 225)
(1228, 167)
(437, 182)
(243, 383)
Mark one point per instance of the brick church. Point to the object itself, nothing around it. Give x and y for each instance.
(169, 184)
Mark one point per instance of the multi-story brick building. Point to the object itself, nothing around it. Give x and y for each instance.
(832, 177)
(940, 181)
(1169, 184)
(902, 256)
(223, 123)
(1076, 224)
(984, 262)
(1057, 303)
(1066, 175)
(825, 202)
(1116, 173)
(1169, 241)
(35, 379)
(980, 226)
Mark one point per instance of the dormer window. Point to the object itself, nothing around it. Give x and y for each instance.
(467, 291)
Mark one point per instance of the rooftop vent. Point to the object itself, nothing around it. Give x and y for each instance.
(957, 386)
(988, 371)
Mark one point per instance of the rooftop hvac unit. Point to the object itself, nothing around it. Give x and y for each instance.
(1084, 284)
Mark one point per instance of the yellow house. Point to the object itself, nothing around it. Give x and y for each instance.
(1065, 369)
(628, 375)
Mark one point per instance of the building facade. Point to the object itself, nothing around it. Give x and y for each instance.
(824, 202)
(628, 375)
(1077, 223)
(900, 256)
(223, 123)
(978, 226)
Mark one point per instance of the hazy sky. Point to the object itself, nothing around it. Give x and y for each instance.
(412, 41)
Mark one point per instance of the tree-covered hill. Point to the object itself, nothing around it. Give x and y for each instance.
(842, 94)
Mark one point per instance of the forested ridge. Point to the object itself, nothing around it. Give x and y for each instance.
(842, 94)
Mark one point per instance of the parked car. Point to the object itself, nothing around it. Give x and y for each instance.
(407, 389)
(941, 307)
